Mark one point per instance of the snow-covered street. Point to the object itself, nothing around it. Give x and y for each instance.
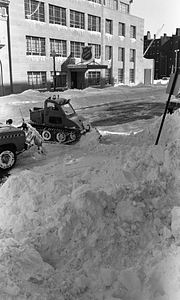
(94, 220)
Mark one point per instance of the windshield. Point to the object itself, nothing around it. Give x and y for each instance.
(68, 109)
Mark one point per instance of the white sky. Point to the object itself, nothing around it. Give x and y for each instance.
(156, 13)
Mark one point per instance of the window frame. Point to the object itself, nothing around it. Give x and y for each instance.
(35, 46)
(76, 52)
(57, 15)
(132, 32)
(132, 55)
(121, 29)
(3, 12)
(30, 7)
(120, 75)
(62, 79)
(107, 76)
(112, 4)
(37, 76)
(108, 52)
(59, 46)
(96, 1)
(77, 19)
(121, 54)
(97, 23)
(96, 49)
(108, 26)
(124, 7)
(132, 75)
(94, 78)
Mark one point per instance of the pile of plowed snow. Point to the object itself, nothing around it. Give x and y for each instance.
(108, 231)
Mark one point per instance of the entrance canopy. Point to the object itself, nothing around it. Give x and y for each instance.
(76, 73)
(83, 67)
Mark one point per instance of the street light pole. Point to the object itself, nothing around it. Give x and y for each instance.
(54, 69)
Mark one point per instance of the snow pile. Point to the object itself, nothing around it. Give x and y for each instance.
(20, 267)
(102, 226)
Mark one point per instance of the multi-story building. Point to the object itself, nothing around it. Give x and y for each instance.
(42, 44)
(164, 51)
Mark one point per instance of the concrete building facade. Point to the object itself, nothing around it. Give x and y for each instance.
(41, 44)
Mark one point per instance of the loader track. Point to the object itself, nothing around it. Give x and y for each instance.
(59, 136)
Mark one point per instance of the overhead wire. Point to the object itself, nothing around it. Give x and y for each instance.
(159, 30)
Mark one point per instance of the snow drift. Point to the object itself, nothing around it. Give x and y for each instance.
(103, 225)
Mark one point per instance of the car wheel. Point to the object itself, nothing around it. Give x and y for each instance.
(7, 158)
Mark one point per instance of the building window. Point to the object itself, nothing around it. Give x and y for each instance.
(59, 46)
(76, 48)
(108, 52)
(34, 10)
(132, 55)
(124, 8)
(96, 1)
(120, 54)
(108, 76)
(36, 79)
(35, 46)
(93, 78)
(121, 75)
(3, 12)
(131, 75)
(61, 79)
(132, 31)
(113, 4)
(96, 50)
(109, 26)
(57, 15)
(121, 29)
(77, 19)
(94, 23)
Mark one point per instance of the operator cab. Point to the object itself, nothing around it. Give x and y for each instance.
(61, 104)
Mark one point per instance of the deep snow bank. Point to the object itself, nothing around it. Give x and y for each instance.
(102, 226)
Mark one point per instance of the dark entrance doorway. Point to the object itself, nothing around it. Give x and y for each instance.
(74, 80)
(76, 74)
